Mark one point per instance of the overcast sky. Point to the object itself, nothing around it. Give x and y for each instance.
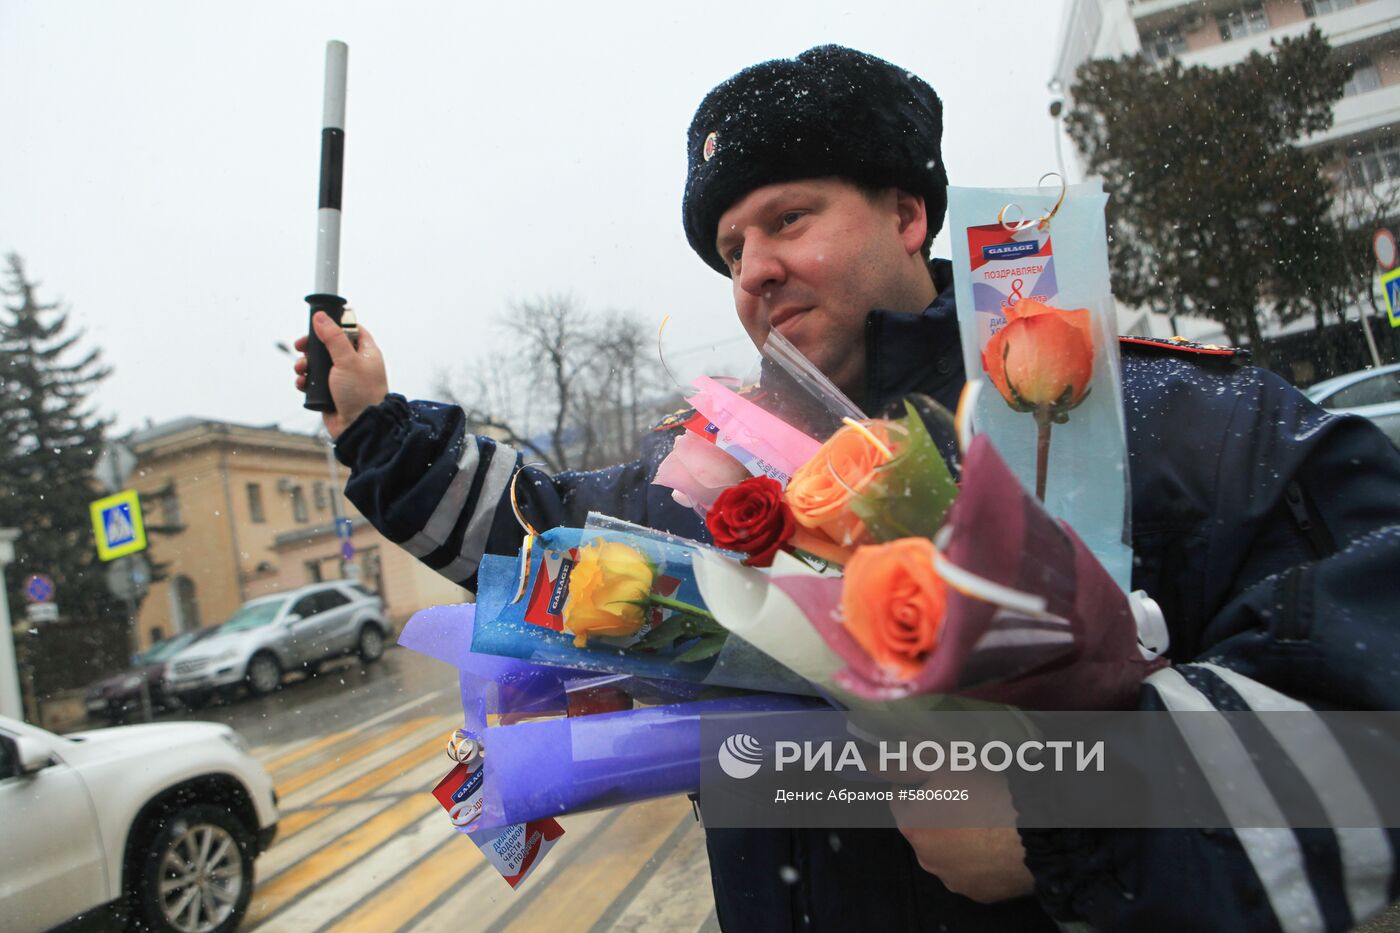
(159, 162)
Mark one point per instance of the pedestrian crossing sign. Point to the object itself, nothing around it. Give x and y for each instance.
(1390, 284)
(117, 525)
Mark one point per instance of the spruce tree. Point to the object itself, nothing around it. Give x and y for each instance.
(1214, 207)
(50, 438)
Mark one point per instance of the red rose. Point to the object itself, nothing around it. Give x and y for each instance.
(752, 518)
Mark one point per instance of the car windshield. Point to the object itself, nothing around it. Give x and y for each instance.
(165, 649)
(254, 615)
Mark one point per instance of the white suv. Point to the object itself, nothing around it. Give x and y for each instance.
(273, 634)
(160, 823)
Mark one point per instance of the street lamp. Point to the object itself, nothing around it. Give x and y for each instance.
(10, 703)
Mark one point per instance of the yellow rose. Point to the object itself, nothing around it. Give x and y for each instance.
(606, 581)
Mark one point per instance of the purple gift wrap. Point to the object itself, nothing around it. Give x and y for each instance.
(489, 685)
(559, 766)
(550, 767)
(498, 686)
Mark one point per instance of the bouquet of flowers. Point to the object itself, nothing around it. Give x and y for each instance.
(857, 562)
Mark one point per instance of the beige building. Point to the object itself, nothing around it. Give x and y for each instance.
(234, 512)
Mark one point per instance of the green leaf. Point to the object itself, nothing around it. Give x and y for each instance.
(706, 648)
(910, 496)
(663, 636)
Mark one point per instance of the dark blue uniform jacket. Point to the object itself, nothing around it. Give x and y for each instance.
(1267, 530)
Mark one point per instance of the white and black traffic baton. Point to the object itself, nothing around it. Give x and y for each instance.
(324, 298)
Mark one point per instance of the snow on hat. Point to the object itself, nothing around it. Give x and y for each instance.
(831, 111)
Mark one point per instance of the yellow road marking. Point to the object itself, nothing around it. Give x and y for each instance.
(294, 823)
(306, 751)
(576, 898)
(346, 850)
(445, 868)
(311, 775)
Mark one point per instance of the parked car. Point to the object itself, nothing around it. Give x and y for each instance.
(117, 697)
(157, 824)
(1370, 393)
(272, 635)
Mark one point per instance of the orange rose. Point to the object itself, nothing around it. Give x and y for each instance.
(894, 604)
(1042, 358)
(820, 492)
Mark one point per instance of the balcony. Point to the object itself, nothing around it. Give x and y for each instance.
(1357, 24)
(1361, 114)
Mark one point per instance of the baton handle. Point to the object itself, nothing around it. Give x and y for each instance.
(318, 358)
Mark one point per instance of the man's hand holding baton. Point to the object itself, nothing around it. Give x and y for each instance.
(342, 371)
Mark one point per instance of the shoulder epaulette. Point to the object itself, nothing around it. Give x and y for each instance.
(674, 420)
(1180, 346)
(692, 419)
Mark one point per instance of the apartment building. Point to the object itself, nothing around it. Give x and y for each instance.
(235, 511)
(1364, 140)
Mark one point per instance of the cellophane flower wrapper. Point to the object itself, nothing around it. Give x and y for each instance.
(1080, 653)
(1065, 266)
(553, 762)
(524, 629)
(910, 495)
(559, 766)
(493, 687)
(770, 427)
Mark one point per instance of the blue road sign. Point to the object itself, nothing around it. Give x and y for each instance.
(38, 588)
(347, 550)
(117, 525)
(117, 522)
(344, 528)
(1390, 284)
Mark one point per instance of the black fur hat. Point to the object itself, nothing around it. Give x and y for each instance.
(831, 111)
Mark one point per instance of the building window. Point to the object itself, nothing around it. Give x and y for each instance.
(186, 605)
(318, 493)
(1374, 162)
(313, 571)
(170, 507)
(1315, 8)
(1162, 44)
(1364, 77)
(1243, 21)
(299, 505)
(255, 503)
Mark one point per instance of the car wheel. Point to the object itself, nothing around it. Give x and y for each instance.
(264, 674)
(371, 644)
(196, 876)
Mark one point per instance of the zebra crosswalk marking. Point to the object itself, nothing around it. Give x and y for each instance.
(360, 749)
(351, 766)
(364, 847)
(575, 900)
(345, 851)
(361, 787)
(364, 876)
(485, 897)
(445, 867)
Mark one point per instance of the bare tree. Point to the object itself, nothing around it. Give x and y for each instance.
(568, 388)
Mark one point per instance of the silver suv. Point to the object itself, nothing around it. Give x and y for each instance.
(274, 634)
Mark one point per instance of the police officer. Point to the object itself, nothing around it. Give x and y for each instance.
(1264, 528)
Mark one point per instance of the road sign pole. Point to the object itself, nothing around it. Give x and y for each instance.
(10, 703)
(134, 611)
(1366, 328)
